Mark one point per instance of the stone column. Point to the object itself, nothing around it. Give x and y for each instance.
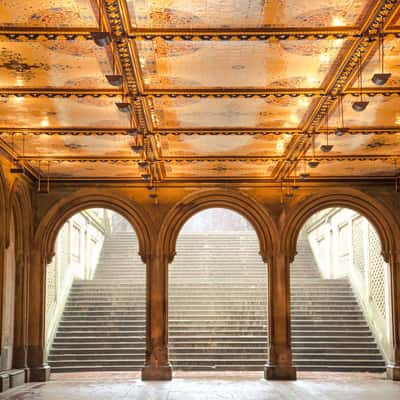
(280, 350)
(157, 366)
(393, 369)
(20, 354)
(39, 369)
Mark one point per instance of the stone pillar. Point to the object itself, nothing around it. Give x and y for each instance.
(20, 354)
(393, 369)
(157, 366)
(39, 369)
(280, 350)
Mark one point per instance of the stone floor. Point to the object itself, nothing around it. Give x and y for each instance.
(208, 386)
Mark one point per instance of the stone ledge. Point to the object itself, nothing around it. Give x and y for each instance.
(393, 373)
(11, 379)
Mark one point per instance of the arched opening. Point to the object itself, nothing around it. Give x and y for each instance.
(217, 295)
(96, 295)
(340, 295)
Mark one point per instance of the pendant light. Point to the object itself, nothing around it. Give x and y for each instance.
(313, 163)
(360, 105)
(340, 131)
(380, 78)
(326, 148)
(304, 175)
(101, 38)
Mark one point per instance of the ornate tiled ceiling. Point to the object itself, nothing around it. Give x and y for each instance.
(216, 89)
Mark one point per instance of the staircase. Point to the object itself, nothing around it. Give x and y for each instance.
(103, 323)
(217, 311)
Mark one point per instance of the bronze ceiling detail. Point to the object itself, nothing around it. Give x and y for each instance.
(205, 96)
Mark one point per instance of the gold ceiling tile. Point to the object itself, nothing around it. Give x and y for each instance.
(293, 64)
(363, 145)
(357, 168)
(220, 169)
(30, 145)
(68, 64)
(42, 112)
(278, 113)
(47, 13)
(381, 112)
(224, 146)
(197, 14)
(88, 169)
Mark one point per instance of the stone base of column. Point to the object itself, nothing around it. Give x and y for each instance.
(393, 373)
(284, 373)
(150, 373)
(40, 374)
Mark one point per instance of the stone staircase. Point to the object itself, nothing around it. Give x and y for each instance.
(217, 311)
(103, 323)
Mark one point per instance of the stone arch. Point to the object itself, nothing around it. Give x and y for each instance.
(4, 207)
(21, 209)
(384, 221)
(47, 231)
(243, 204)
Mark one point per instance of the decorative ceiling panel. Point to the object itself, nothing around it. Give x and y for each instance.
(270, 112)
(219, 169)
(391, 64)
(293, 64)
(47, 13)
(385, 144)
(88, 169)
(195, 14)
(213, 145)
(29, 145)
(42, 112)
(357, 168)
(78, 64)
(382, 112)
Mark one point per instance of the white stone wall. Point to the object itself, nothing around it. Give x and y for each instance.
(78, 248)
(345, 244)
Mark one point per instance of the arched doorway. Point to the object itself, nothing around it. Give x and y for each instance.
(96, 295)
(340, 296)
(218, 295)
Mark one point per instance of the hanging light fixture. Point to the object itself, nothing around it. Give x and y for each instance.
(304, 175)
(295, 186)
(326, 148)
(313, 163)
(101, 38)
(380, 78)
(131, 131)
(360, 105)
(123, 106)
(137, 147)
(340, 131)
(114, 79)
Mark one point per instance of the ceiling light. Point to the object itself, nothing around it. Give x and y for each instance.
(131, 132)
(137, 148)
(341, 131)
(324, 57)
(102, 39)
(146, 177)
(114, 80)
(381, 78)
(304, 176)
(313, 163)
(19, 99)
(326, 148)
(123, 106)
(44, 122)
(337, 21)
(143, 164)
(19, 81)
(359, 105)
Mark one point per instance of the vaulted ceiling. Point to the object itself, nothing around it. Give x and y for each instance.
(216, 89)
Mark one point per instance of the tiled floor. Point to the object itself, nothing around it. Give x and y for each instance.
(208, 386)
